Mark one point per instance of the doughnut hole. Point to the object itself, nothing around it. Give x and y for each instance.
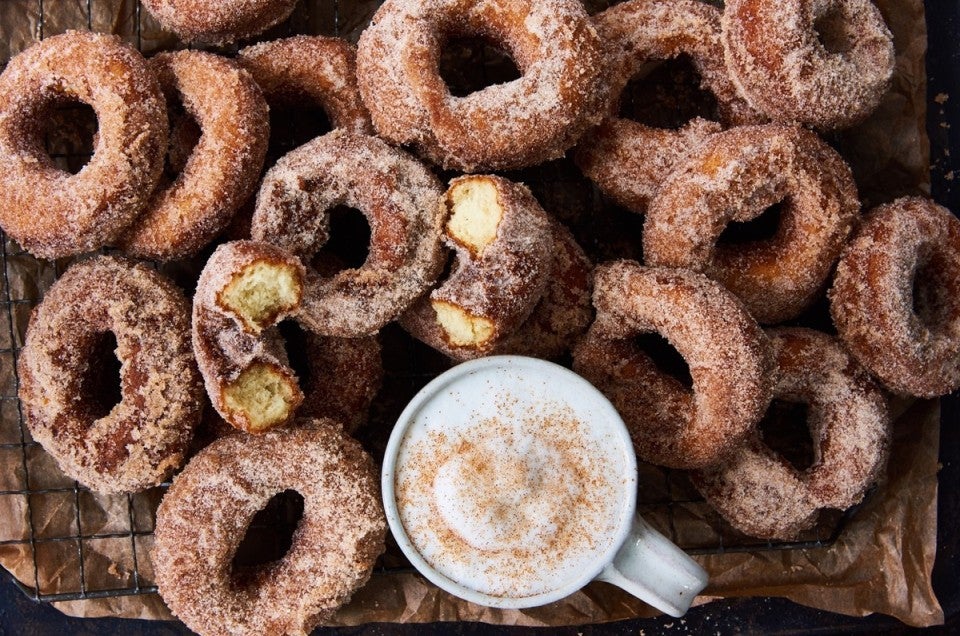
(296, 343)
(270, 533)
(668, 95)
(667, 359)
(261, 292)
(785, 430)
(470, 64)
(291, 126)
(475, 214)
(263, 395)
(933, 302)
(462, 328)
(349, 242)
(69, 134)
(760, 229)
(185, 134)
(832, 29)
(101, 385)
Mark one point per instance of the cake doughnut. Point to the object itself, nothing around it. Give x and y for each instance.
(759, 492)
(627, 159)
(403, 203)
(140, 441)
(895, 298)
(220, 22)
(824, 63)
(50, 212)
(562, 91)
(332, 553)
(320, 70)
(220, 172)
(727, 353)
(503, 242)
(734, 177)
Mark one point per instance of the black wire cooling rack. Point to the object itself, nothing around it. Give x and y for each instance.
(92, 546)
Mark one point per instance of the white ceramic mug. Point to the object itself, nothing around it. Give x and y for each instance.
(627, 552)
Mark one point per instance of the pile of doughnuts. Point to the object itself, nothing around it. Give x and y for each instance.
(476, 267)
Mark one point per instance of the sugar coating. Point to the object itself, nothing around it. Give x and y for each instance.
(763, 495)
(333, 550)
(50, 212)
(561, 93)
(777, 56)
(221, 171)
(726, 351)
(144, 438)
(220, 22)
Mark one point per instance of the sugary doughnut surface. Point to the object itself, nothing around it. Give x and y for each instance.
(825, 63)
(218, 21)
(761, 493)
(561, 93)
(206, 512)
(143, 438)
(403, 203)
(895, 298)
(726, 352)
(734, 177)
(50, 212)
(220, 172)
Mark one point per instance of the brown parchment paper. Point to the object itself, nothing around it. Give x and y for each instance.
(881, 562)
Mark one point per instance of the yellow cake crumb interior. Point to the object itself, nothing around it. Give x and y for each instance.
(261, 292)
(475, 213)
(262, 395)
(462, 328)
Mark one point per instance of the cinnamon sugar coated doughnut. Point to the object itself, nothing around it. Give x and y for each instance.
(140, 441)
(345, 376)
(727, 353)
(822, 63)
(218, 21)
(320, 70)
(50, 212)
(244, 290)
(561, 93)
(403, 204)
(734, 177)
(220, 172)
(758, 491)
(503, 243)
(895, 298)
(333, 550)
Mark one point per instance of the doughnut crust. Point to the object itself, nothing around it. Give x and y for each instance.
(763, 495)
(144, 438)
(895, 298)
(734, 177)
(219, 22)
(333, 550)
(561, 93)
(727, 353)
(403, 203)
(221, 171)
(824, 63)
(50, 212)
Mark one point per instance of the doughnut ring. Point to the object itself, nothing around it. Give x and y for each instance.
(562, 91)
(726, 351)
(334, 547)
(825, 63)
(220, 172)
(140, 441)
(895, 298)
(52, 213)
(735, 176)
(760, 493)
(220, 22)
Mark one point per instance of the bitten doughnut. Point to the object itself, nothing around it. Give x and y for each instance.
(727, 353)
(220, 172)
(206, 512)
(561, 93)
(140, 441)
(822, 63)
(220, 22)
(403, 203)
(503, 243)
(320, 70)
(50, 212)
(759, 492)
(627, 159)
(734, 177)
(895, 298)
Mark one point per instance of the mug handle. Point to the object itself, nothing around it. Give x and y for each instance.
(654, 570)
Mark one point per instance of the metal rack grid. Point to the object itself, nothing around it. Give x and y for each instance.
(409, 366)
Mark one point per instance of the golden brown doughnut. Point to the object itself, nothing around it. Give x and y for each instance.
(895, 298)
(759, 492)
(52, 213)
(139, 442)
(734, 177)
(726, 351)
(218, 21)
